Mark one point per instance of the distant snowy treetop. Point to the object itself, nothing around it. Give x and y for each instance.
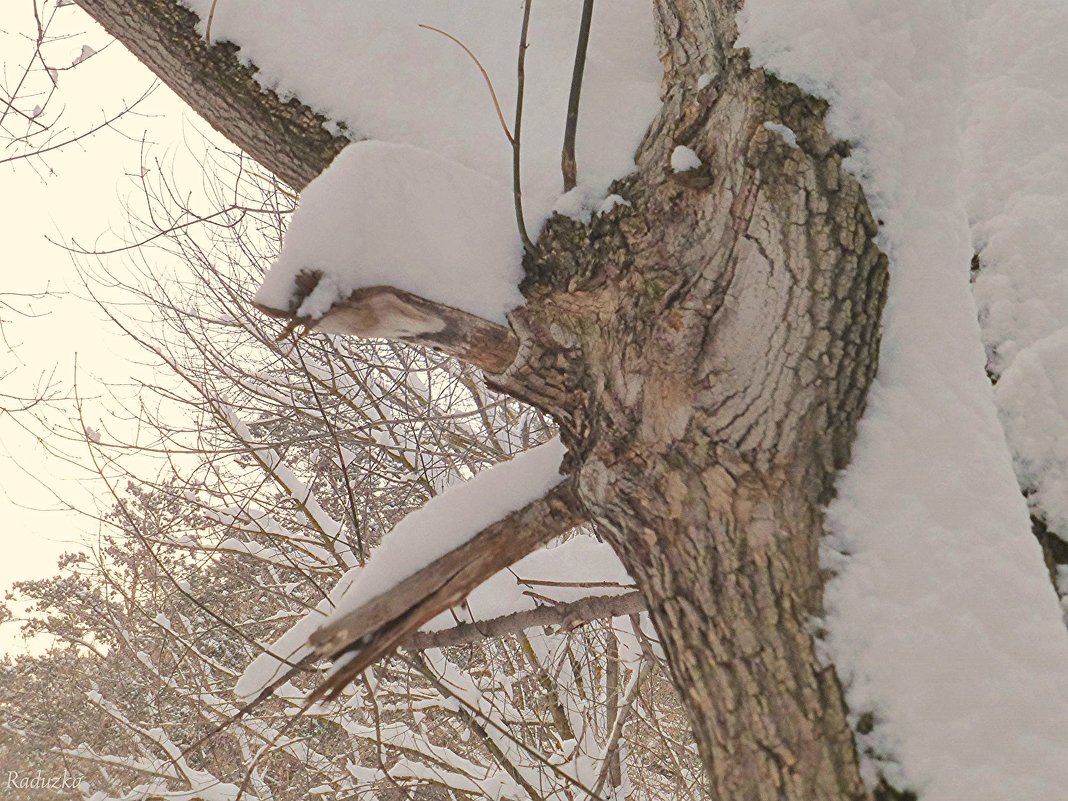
(369, 66)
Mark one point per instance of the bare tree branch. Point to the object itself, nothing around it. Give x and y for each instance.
(517, 131)
(567, 158)
(389, 313)
(566, 615)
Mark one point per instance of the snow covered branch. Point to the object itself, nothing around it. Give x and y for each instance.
(376, 628)
(288, 138)
(424, 251)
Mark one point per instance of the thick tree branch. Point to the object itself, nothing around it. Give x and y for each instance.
(566, 615)
(377, 628)
(286, 137)
(390, 313)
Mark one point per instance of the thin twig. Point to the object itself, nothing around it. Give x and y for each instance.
(485, 77)
(517, 190)
(211, 17)
(610, 755)
(567, 157)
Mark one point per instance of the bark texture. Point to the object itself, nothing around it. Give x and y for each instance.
(706, 351)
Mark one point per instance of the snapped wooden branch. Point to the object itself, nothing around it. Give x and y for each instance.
(376, 629)
(389, 313)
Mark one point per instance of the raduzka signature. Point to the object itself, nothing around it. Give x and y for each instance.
(38, 781)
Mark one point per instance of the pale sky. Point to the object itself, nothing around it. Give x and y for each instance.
(81, 200)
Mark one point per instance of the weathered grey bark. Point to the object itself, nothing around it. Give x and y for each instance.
(706, 351)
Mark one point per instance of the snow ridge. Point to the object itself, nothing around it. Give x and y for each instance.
(941, 619)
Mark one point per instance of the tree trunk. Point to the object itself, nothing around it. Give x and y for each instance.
(707, 348)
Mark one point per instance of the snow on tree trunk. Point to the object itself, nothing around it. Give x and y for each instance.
(287, 137)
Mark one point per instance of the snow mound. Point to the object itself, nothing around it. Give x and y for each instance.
(389, 214)
(1017, 150)
(370, 66)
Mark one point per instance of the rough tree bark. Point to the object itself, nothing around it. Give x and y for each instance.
(287, 137)
(706, 350)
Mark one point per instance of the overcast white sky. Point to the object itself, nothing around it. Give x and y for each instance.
(82, 198)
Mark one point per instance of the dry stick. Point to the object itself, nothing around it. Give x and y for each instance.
(211, 17)
(567, 157)
(485, 76)
(610, 762)
(610, 766)
(338, 450)
(377, 715)
(517, 191)
(565, 615)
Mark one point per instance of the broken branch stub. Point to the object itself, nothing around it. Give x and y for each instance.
(388, 313)
(377, 628)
